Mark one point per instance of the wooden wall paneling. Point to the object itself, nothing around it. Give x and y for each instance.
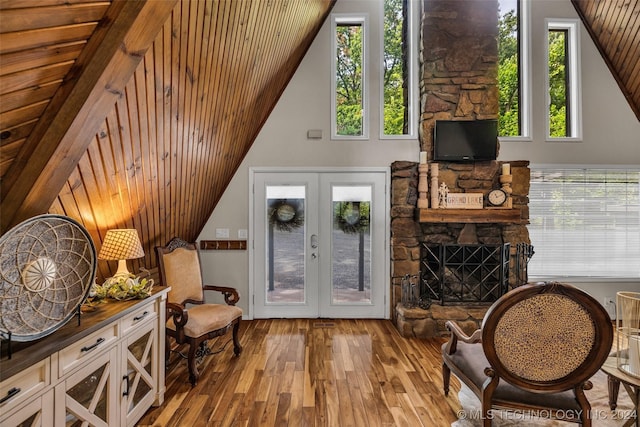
(180, 118)
(40, 56)
(614, 27)
(193, 76)
(632, 53)
(208, 83)
(175, 114)
(231, 95)
(163, 56)
(151, 154)
(216, 102)
(16, 117)
(32, 95)
(23, 40)
(8, 152)
(51, 16)
(131, 137)
(19, 132)
(29, 78)
(20, 4)
(141, 141)
(617, 28)
(204, 143)
(202, 120)
(60, 140)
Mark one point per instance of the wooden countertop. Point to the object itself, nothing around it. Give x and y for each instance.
(25, 354)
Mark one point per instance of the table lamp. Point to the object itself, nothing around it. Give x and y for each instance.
(121, 245)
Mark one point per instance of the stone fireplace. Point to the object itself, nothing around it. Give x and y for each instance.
(459, 82)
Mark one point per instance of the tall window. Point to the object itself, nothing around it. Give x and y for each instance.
(513, 69)
(390, 48)
(585, 223)
(563, 80)
(398, 65)
(350, 116)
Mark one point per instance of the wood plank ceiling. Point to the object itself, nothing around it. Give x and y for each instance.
(137, 114)
(156, 149)
(614, 25)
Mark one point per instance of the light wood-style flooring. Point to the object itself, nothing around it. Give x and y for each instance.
(312, 372)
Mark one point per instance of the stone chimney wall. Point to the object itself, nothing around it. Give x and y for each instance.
(459, 66)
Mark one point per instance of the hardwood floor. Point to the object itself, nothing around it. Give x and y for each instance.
(312, 372)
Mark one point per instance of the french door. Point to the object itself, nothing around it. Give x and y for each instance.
(319, 244)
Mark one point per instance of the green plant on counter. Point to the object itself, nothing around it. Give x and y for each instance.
(123, 287)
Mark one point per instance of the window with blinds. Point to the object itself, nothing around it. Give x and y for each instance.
(585, 223)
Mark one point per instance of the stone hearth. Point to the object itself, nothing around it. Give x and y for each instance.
(416, 322)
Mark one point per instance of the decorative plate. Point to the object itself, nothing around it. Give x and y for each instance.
(47, 267)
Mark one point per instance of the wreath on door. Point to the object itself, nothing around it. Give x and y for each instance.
(285, 214)
(352, 217)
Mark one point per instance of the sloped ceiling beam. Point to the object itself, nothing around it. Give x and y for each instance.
(79, 107)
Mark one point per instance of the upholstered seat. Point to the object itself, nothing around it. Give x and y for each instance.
(189, 319)
(538, 346)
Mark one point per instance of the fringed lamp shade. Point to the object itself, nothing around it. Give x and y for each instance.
(121, 245)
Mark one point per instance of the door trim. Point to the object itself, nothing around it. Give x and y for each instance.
(253, 170)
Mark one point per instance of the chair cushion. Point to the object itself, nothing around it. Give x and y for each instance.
(470, 359)
(182, 273)
(205, 318)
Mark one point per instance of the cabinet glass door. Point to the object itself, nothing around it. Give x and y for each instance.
(138, 386)
(88, 395)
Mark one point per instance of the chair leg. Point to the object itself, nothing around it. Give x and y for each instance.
(237, 348)
(191, 363)
(446, 377)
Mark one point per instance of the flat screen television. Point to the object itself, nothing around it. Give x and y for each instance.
(465, 141)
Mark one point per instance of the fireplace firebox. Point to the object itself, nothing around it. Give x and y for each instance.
(456, 273)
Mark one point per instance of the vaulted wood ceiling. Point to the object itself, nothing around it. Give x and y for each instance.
(614, 25)
(136, 114)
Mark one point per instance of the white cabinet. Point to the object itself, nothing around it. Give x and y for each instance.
(139, 371)
(88, 395)
(37, 413)
(109, 375)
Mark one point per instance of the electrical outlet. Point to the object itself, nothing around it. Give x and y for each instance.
(608, 301)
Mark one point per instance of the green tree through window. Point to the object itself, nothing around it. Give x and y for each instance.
(558, 84)
(509, 75)
(349, 79)
(396, 95)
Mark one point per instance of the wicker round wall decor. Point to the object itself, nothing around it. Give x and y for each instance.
(47, 266)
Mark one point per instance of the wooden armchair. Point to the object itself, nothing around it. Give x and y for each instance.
(189, 319)
(538, 346)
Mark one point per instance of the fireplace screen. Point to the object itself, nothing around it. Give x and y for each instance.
(464, 273)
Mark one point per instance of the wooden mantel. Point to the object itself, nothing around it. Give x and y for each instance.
(479, 216)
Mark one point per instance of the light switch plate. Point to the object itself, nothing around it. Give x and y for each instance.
(222, 233)
(242, 233)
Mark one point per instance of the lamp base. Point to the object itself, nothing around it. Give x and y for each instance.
(122, 269)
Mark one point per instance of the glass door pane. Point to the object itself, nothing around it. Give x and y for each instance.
(351, 245)
(285, 228)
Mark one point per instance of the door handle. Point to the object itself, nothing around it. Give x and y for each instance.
(314, 241)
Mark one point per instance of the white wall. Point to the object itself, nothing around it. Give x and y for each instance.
(611, 134)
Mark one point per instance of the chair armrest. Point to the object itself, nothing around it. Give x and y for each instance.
(231, 295)
(457, 334)
(179, 313)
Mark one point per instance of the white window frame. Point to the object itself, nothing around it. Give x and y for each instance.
(413, 35)
(524, 29)
(604, 229)
(572, 26)
(356, 19)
